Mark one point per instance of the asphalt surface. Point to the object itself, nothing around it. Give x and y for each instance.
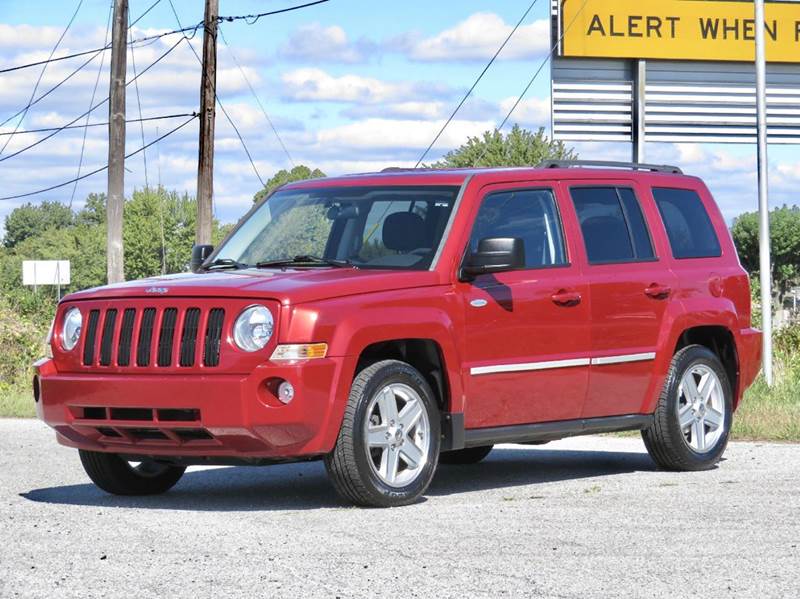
(587, 517)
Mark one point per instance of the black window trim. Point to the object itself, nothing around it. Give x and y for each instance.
(565, 245)
(616, 188)
(664, 222)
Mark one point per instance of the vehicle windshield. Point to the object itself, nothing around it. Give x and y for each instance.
(392, 227)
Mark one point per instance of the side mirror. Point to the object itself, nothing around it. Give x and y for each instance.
(494, 254)
(199, 254)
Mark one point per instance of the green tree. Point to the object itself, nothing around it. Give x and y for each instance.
(298, 173)
(520, 147)
(784, 231)
(29, 220)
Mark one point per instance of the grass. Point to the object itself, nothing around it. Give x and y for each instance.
(771, 414)
(16, 404)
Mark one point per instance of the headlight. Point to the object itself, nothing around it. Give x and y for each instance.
(253, 328)
(71, 329)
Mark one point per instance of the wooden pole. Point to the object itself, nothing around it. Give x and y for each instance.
(208, 86)
(116, 143)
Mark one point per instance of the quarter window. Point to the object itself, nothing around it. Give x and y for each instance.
(612, 223)
(530, 215)
(689, 228)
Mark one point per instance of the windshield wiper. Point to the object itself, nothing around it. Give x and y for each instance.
(221, 263)
(306, 260)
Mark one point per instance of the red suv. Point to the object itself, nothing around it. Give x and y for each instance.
(389, 322)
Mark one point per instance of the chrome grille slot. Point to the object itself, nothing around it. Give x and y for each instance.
(125, 337)
(108, 335)
(145, 337)
(166, 336)
(91, 337)
(189, 336)
(213, 335)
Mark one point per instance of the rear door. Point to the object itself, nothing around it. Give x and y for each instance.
(630, 289)
(527, 336)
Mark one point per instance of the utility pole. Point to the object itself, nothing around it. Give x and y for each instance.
(764, 262)
(116, 142)
(208, 97)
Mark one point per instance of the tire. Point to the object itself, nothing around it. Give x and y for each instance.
(470, 455)
(116, 476)
(371, 464)
(698, 445)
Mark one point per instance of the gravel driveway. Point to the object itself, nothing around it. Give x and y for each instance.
(586, 517)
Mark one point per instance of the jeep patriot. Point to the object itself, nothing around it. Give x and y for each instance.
(390, 322)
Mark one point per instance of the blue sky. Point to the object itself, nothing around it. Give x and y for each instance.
(351, 86)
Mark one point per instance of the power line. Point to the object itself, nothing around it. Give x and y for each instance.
(41, 74)
(532, 79)
(96, 106)
(91, 101)
(99, 170)
(103, 124)
(252, 19)
(222, 107)
(474, 85)
(139, 104)
(258, 100)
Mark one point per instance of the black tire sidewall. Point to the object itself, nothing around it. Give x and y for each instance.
(396, 372)
(693, 356)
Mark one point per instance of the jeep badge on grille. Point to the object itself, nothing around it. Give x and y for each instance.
(159, 290)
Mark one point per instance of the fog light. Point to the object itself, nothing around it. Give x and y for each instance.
(285, 392)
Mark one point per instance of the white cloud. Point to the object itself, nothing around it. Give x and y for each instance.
(531, 112)
(315, 43)
(479, 37)
(315, 85)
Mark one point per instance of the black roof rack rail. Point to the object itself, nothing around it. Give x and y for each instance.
(637, 166)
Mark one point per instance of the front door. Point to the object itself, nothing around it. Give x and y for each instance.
(527, 331)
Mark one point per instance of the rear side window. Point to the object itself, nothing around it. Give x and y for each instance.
(527, 214)
(612, 224)
(689, 228)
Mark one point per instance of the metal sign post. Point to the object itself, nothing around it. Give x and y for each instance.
(763, 188)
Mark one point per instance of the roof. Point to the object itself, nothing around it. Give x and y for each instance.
(457, 176)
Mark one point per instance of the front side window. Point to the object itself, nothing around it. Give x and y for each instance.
(690, 232)
(612, 223)
(393, 227)
(529, 215)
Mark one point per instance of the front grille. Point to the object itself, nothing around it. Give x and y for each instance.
(167, 336)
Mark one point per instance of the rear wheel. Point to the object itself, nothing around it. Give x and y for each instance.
(120, 477)
(470, 455)
(692, 422)
(388, 445)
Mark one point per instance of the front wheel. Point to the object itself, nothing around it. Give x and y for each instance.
(120, 477)
(693, 418)
(388, 445)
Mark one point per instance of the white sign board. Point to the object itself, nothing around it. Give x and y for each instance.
(45, 272)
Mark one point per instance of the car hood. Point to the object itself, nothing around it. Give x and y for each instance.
(292, 286)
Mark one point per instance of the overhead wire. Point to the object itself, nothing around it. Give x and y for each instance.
(139, 104)
(475, 84)
(532, 79)
(41, 74)
(98, 170)
(253, 19)
(96, 106)
(101, 124)
(91, 101)
(258, 100)
(222, 106)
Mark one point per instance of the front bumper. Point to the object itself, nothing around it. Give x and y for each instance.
(218, 415)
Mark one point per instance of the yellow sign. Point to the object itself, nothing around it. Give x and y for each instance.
(678, 29)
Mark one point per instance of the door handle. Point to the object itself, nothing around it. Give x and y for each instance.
(657, 291)
(566, 298)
